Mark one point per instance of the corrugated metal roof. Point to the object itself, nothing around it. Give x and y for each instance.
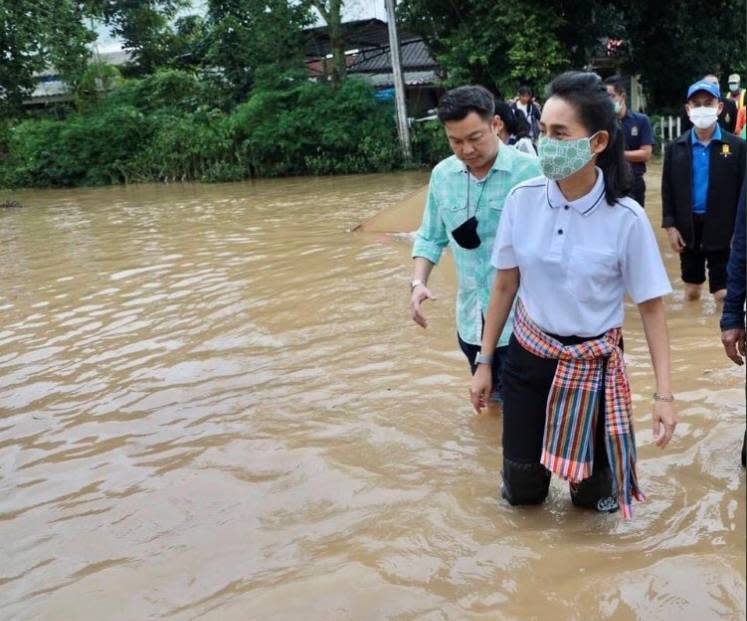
(413, 54)
(51, 87)
(371, 38)
(412, 78)
(362, 33)
(116, 58)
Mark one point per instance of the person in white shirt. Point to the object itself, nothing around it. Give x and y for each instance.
(572, 243)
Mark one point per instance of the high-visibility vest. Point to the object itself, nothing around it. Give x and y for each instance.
(739, 99)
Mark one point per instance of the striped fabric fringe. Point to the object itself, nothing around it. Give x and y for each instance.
(568, 445)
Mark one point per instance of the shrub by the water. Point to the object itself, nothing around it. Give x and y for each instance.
(171, 126)
(94, 149)
(317, 129)
(429, 143)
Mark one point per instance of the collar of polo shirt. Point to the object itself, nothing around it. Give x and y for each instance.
(584, 205)
(502, 162)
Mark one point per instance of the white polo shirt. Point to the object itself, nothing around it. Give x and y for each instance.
(577, 259)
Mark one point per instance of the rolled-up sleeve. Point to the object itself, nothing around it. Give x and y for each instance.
(503, 257)
(431, 237)
(643, 270)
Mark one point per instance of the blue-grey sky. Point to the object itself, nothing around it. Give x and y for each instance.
(352, 9)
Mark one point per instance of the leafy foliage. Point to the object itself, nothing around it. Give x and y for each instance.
(244, 35)
(154, 129)
(280, 133)
(35, 34)
(501, 44)
(143, 26)
(672, 44)
(497, 44)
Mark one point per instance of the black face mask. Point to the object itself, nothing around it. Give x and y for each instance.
(466, 234)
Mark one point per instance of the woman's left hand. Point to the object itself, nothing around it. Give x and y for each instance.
(665, 420)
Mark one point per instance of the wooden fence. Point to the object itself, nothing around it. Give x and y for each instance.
(666, 129)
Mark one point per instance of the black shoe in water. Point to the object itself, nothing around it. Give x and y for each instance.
(607, 505)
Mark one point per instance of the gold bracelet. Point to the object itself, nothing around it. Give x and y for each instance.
(668, 398)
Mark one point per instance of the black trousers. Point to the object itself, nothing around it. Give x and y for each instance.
(527, 380)
(693, 261)
(638, 190)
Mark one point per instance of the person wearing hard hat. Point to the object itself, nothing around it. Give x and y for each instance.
(736, 94)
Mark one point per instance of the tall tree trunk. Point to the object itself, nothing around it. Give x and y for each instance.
(331, 12)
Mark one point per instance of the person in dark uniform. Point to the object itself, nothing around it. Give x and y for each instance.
(639, 138)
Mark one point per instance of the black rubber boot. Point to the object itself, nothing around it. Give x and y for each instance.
(524, 484)
(595, 493)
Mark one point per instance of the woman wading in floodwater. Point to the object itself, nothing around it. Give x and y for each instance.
(572, 243)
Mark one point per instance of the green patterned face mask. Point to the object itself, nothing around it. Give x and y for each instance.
(561, 158)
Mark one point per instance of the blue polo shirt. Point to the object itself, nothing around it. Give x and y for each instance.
(638, 133)
(701, 169)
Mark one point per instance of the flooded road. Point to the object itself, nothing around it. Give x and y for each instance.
(213, 405)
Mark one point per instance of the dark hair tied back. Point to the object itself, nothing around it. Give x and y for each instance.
(587, 94)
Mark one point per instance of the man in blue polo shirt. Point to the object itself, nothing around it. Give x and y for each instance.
(639, 139)
(703, 173)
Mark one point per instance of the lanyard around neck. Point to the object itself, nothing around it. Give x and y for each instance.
(482, 189)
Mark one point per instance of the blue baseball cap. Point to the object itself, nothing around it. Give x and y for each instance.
(701, 85)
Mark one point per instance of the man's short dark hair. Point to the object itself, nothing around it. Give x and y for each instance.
(617, 82)
(525, 90)
(457, 103)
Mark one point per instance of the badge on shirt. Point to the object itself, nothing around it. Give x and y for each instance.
(725, 150)
(634, 131)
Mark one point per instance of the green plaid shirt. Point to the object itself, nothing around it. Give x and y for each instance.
(446, 209)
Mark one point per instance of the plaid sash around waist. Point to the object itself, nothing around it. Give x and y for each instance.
(568, 444)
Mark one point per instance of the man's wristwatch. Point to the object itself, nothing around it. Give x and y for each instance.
(416, 283)
(481, 358)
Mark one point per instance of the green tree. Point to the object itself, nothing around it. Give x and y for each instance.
(245, 35)
(672, 44)
(331, 12)
(98, 79)
(497, 44)
(34, 35)
(144, 26)
(190, 41)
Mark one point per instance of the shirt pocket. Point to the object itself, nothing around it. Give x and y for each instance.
(454, 213)
(592, 274)
(496, 201)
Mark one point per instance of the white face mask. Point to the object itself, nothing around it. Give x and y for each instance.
(703, 116)
(733, 86)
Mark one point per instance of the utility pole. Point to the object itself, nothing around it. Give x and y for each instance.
(399, 84)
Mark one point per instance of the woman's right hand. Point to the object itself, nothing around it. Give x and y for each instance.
(665, 420)
(480, 387)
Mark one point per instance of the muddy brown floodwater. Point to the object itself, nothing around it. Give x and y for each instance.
(213, 405)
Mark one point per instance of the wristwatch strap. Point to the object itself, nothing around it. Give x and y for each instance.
(481, 358)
